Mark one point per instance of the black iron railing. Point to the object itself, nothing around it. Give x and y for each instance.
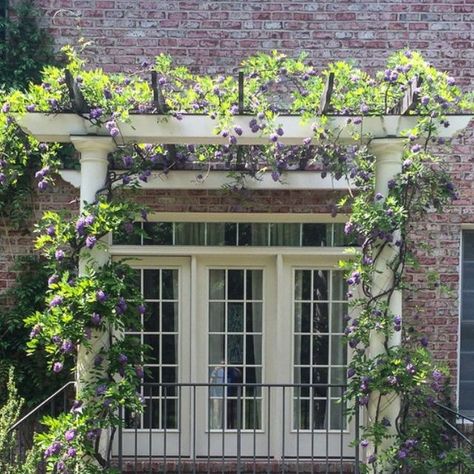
(461, 429)
(225, 427)
(24, 429)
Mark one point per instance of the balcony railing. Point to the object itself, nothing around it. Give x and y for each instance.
(223, 427)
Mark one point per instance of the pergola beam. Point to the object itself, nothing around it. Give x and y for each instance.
(200, 129)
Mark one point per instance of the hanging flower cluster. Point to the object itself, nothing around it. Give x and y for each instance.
(101, 301)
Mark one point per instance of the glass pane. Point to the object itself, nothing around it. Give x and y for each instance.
(254, 284)
(301, 415)
(253, 234)
(314, 235)
(339, 377)
(189, 233)
(302, 350)
(467, 367)
(320, 350)
(169, 322)
(216, 317)
(467, 336)
(216, 284)
(152, 318)
(154, 343)
(339, 286)
(152, 374)
(151, 413)
(235, 317)
(235, 349)
(158, 233)
(151, 283)
(303, 317)
(338, 351)
(254, 350)
(220, 233)
(170, 284)
(467, 275)
(169, 375)
(302, 284)
(319, 414)
(235, 286)
(285, 235)
(320, 285)
(467, 305)
(170, 349)
(337, 415)
(466, 397)
(132, 420)
(254, 317)
(216, 349)
(468, 245)
(128, 234)
(253, 375)
(170, 413)
(302, 376)
(253, 414)
(320, 317)
(234, 375)
(232, 412)
(320, 376)
(339, 313)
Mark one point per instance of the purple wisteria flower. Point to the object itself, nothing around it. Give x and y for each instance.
(141, 309)
(80, 225)
(59, 255)
(122, 359)
(424, 341)
(67, 346)
(43, 185)
(378, 196)
(121, 306)
(451, 81)
(53, 449)
(351, 372)
(98, 360)
(56, 301)
(53, 279)
(364, 443)
(77, 406)
(410, 368)
(37, 328)
(91, 241)
(58, 367)
(30, 108)
(127, 161)
(6, 108)
(436, 375)
(69, 435)
(416, 148)
(51, 230)
(92, 434)
(402, 454)
(101, 389)
(71, 453)
(95, 113)
(101, 296)
(96, 319)
(139, 371)
(372, 458)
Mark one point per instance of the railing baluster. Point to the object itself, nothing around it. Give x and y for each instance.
(283, 432)
(150, 431)
(165, 424)
(180, 426)
(357, 434)
(298, 420)
(255, 426)
(209, 408)
(239, 427)
(194, 428)
(328, 413)
(269, 427)
(312, 421)
(341, 447)
(120, 440)
(223, 413)
(135, 467)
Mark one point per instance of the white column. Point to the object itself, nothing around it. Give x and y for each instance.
(94, 165)
(388, 153)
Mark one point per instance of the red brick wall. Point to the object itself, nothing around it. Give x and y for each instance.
(213, 36)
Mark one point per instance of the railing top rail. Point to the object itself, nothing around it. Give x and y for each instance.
(224, 384)
(454, 412)
(41, 405)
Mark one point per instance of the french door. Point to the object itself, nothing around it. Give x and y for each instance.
(237, 332)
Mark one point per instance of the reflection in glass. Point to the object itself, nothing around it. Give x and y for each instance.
(151, 283)
(169, 322)
(285, 235)
(216, 284)
(216, 317)
(189, 233)
(235, 317)
(158, 233)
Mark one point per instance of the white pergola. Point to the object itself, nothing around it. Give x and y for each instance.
(94, 144)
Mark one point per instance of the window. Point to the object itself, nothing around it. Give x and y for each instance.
(466, 368)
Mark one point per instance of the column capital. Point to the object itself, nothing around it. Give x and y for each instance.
(387, 148)
(90, 144)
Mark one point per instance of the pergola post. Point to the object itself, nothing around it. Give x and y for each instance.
(388, 154)
(94, 165)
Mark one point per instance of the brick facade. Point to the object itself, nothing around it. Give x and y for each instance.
(213, 36)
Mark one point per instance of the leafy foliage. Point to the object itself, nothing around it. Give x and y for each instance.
(82, 309)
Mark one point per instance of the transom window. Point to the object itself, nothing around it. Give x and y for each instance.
(233, 234)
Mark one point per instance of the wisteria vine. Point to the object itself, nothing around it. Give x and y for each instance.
(105, 301)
